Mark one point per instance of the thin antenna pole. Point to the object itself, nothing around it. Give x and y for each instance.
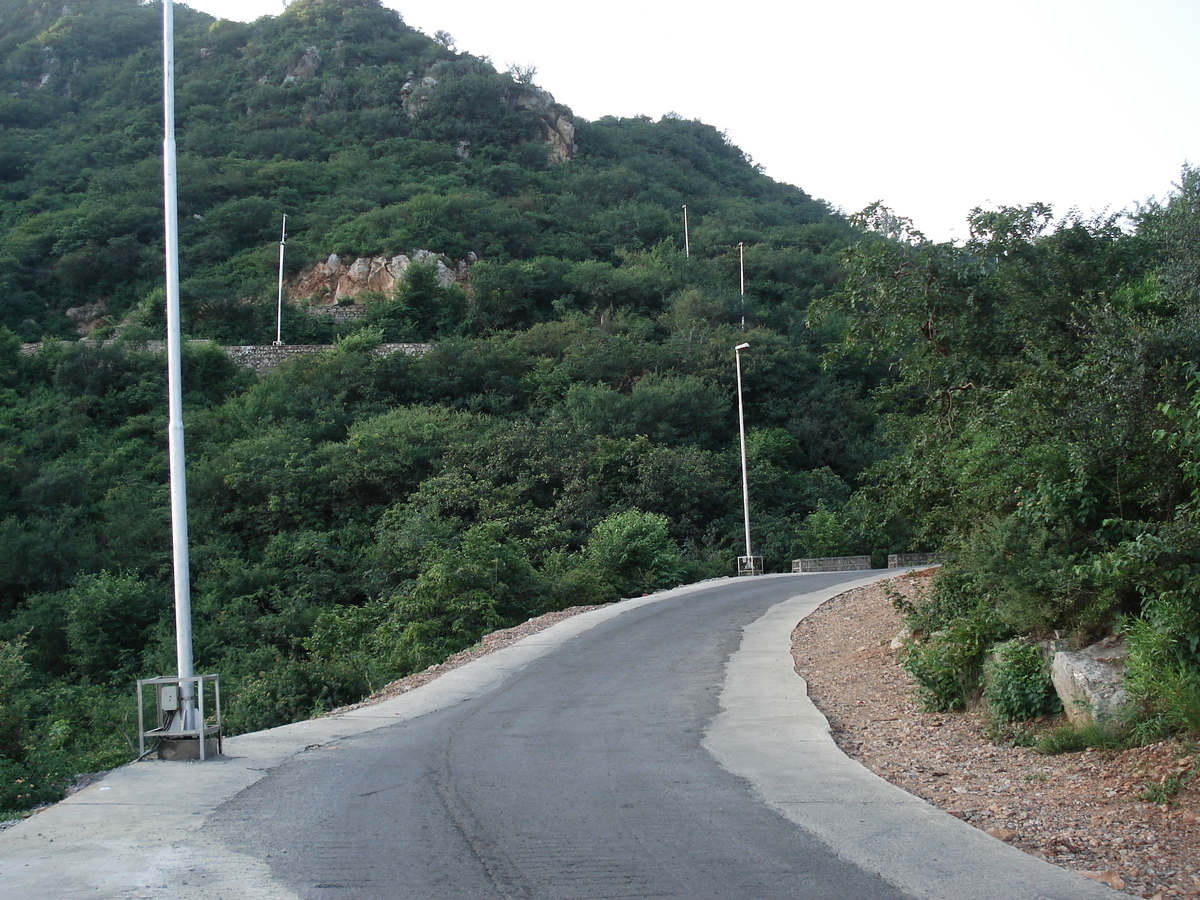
(687, 246)
(279, 312)
(742, 271)
(179, 532)
(737, 353)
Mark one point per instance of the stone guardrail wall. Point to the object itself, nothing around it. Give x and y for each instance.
(259, 357)
(832, 564)
(901, 560)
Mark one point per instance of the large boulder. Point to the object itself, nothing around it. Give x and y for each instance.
(416, 92)
(1089, 681)
(88, 317)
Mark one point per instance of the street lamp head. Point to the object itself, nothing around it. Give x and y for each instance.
(741, 347)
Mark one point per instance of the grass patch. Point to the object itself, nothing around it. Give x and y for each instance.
(1076, 738)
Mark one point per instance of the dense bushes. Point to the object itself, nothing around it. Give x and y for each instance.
(1020, 402)
(354, 517)
(1017, 682)
(361, 166)
(1046, 432)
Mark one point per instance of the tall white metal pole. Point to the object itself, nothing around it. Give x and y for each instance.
(279, 311)
(742, 275)
(179, 534)
(737, 352)
(687, 245)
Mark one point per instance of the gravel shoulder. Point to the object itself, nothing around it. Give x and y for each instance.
(1084, 811)
(490, 643)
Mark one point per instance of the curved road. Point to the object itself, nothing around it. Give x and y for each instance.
(581, 776)
(660, 747)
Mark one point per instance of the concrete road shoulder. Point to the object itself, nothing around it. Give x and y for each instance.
(771, 734)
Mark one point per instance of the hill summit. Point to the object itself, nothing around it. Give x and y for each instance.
(374, 140)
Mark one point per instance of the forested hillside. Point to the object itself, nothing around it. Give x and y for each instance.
(326, 113)
(570, 438)
(1023, 402)
(1043, 404)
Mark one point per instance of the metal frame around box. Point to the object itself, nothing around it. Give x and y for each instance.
(203, 733)
(750, 565)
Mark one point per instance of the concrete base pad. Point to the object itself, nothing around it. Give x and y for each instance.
(186, 748)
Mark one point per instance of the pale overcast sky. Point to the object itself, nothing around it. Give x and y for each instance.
(933, 106)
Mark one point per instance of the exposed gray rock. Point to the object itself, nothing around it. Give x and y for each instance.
(556, 121)
(308, 66)
(1089, 681)
(903, 636)
(555, 118)
(87, 316)
(415, 93)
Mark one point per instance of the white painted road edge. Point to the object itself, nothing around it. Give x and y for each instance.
(136, 833)
(770, 733)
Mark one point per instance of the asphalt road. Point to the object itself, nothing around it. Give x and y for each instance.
(661, 747)
(582, 776)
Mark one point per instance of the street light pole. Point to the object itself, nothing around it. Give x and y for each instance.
(179, 531)
(742, 278)
(279, 305)
(749, 559)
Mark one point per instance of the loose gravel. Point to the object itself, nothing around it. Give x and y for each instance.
(1086, 811)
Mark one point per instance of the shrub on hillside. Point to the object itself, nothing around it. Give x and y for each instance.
(1017, 682)
(634, 552)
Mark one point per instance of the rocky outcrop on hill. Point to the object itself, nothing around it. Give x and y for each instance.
(88, 317)
(557, 124)
(555, 118)
(307, 67)
(340, 281)
(416, 92)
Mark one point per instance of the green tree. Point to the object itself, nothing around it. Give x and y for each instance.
(14, 707)
(633, 552)
(483, 584)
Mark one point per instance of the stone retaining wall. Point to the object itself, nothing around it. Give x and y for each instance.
(259, 357)
(832, 564)
(903, 560)
(339, 314)
(148, 346)
(264, 358)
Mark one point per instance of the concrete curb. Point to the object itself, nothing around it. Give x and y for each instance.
(771, 734)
